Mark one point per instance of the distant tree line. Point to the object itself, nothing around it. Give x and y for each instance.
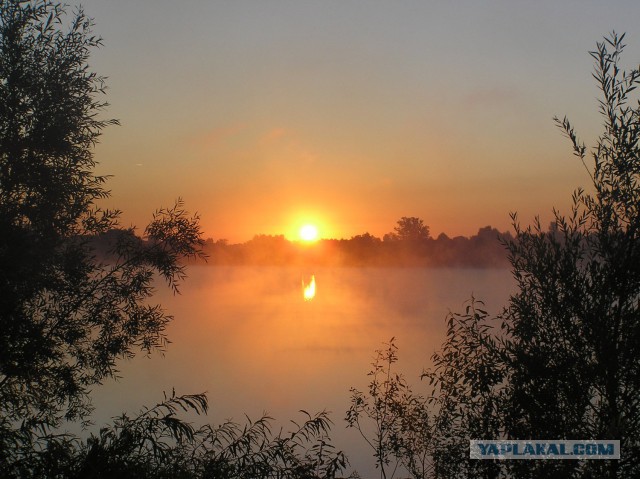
(410, 244)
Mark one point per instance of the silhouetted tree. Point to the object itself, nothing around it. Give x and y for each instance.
(468, 398)
(363, 249)
(65, 318)
(566, 363)
(410, 229)
(365, 239)
(402, 435)
(268, 249)
(575, 321)
(158, 444)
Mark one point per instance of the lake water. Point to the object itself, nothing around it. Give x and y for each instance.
(247, 337)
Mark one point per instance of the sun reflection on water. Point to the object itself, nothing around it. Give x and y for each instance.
(309, 290)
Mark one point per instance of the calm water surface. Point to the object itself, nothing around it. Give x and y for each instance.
(247, 337)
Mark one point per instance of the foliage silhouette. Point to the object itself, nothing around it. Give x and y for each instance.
(65, 318)
(158, 443)
(401, 435)
(467, 398)
(562, 361)
(579, 290)
(409, 229)
(566, 362)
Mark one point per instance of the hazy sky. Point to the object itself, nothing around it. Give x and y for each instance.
(267, 114)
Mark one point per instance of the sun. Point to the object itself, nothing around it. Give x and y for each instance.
(309, 233)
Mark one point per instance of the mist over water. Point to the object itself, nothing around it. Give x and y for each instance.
(247, 336)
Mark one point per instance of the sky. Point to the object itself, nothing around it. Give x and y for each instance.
(266, 115)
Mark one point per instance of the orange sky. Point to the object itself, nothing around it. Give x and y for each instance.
(263, 116)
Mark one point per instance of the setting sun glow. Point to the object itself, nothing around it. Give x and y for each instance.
(309, 233)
